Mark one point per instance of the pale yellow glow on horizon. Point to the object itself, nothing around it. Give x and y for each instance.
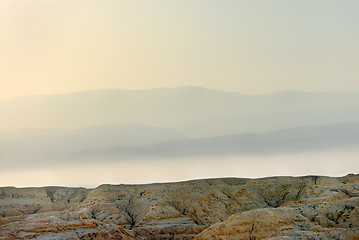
(330, 163)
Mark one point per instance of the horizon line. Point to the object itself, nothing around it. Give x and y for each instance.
(181, 181)
(177, 87)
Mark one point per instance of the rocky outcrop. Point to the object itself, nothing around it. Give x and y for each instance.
(280, 207)
(300, 222)
(324, 208)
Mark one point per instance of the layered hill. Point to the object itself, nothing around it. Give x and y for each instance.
(193, 111)
(27, 144)
(172, 123)
(336, 137)
(310, 207)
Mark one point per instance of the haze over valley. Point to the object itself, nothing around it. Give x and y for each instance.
(140, 130)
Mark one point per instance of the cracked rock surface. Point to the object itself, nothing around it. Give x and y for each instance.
(310, 207)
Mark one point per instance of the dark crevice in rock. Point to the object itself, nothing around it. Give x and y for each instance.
(2, 193)
(50, 194)
(130, 215)
(315, 179)
(132, 219)
(339, 215)
(266, 201)
(284, 195)
(251, 232)
(195, 218)
(346, 192)
(93, 216)
(227, 195)
(299, 192)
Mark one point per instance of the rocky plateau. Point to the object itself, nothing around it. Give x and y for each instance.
(309, 207)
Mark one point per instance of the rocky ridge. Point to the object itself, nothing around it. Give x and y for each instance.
(309, 207)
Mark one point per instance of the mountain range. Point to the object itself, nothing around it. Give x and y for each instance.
(185, 109)
(336, 137)
(173, 122)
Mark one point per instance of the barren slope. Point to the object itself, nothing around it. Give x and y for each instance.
(307, 207)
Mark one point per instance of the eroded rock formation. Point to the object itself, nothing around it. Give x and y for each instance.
(308, 207)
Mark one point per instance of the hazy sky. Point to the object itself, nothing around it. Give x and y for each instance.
(169, 170)
(250, 46)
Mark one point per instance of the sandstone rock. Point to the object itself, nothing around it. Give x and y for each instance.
(270, 223)
(182, 210)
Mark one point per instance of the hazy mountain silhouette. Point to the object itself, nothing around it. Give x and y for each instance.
(220, 121)
(40, 142)
(267, 122)
(343, 136)
(186, 108)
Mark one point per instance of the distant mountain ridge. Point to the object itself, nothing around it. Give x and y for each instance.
(344, 136)
(28, 144)
(267, 122)
(175, 108)
(173, 122)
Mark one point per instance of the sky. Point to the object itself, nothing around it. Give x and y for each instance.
(248, 46)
